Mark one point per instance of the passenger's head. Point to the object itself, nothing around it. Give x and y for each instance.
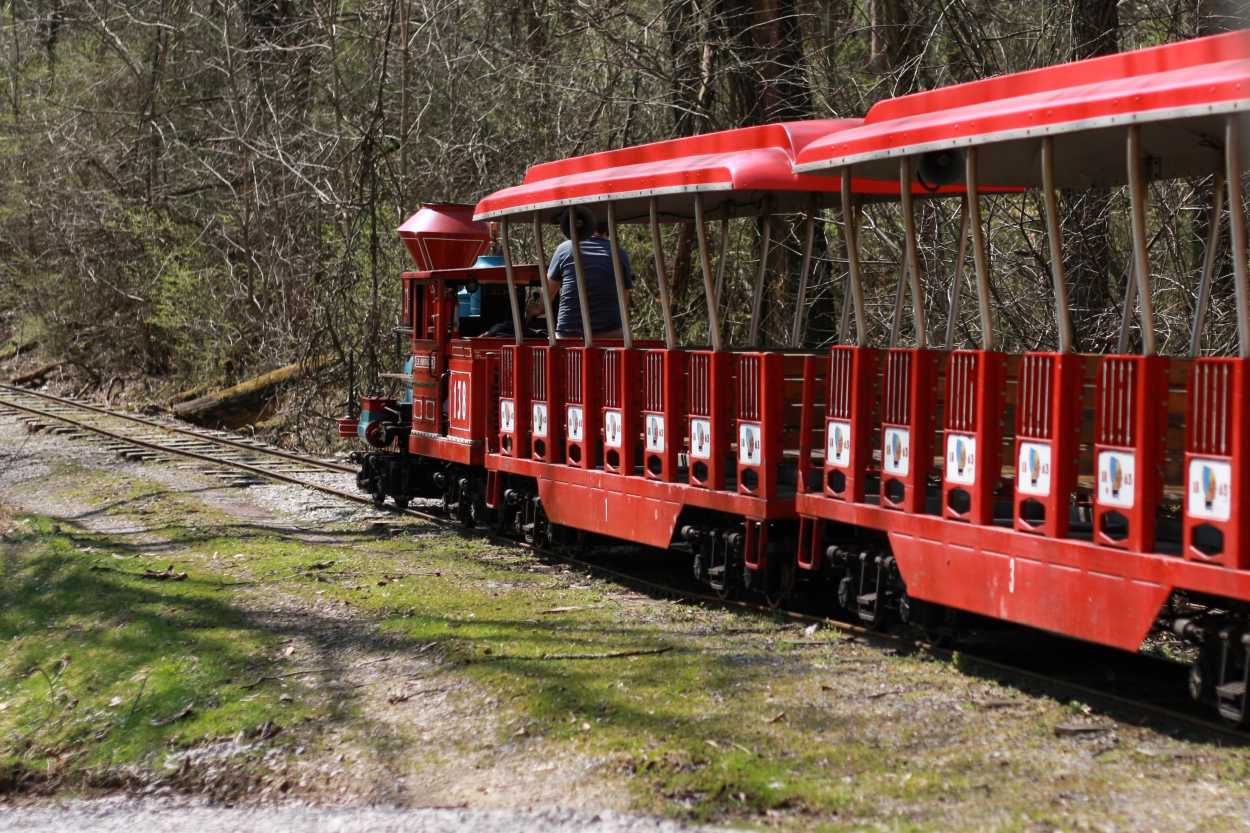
(585, 222)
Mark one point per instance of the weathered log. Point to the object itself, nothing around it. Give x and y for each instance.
(35, 375)
(188, 394)
(247, 402)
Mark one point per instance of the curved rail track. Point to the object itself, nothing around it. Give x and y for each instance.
(150, 439)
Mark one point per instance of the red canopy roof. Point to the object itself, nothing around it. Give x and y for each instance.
(1179, 93)
(736, 170)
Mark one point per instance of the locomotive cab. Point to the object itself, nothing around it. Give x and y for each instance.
(453, 306)
(456, 318)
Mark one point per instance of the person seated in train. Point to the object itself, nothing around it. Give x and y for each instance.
(605, 311)
(532, 326)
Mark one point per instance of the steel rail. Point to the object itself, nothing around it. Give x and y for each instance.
(173, 429)
(1044, 681)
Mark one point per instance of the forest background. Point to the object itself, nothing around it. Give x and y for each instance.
(195, 190)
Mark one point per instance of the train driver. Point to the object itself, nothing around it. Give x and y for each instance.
(605, 311)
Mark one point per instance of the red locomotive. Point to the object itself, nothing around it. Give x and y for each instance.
(1095, 496)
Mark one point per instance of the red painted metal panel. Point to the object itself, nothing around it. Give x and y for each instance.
(853, 372)
(466, 398)
(811, 549)
(733, 503)
(663, 412)
(1048, 423)
(755, 545)
(761, 390)
(1071, 587)
(1131, 422)
(1217, 500)
(974, 437)
(445, 448)
(907, 426)
(547, 403)
(621, 396)
(710, 416)
(1109, 609)
(583, 380)
(515, 408)
(644, 520)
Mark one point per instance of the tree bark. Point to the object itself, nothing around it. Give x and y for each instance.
(246, 402)
(1093, 273)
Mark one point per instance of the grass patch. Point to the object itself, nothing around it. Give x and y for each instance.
(105, 667)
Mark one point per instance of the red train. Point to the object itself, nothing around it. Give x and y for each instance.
(1095, 496)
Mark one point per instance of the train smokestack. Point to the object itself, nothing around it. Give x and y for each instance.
(444, 236)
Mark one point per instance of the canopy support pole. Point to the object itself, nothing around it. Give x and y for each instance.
(542, 281)
(800, 303)
(622, 299)
(957, 275)
(978, 251)
(705, 262)
(1126, 313)
(661, 278)
(720, 258)
(757, 304)
(850, 223)
(1141, 253)
(1208, 264)
(844, 319)
(517, 332)
(1057, 273)
(912, 254)
(579, 275)
(896, 325)
(1237, 230)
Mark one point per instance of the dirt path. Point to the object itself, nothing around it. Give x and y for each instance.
(126, 815)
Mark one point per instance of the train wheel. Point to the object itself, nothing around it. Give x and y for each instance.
(1203, 673)
(401, 503)
(464, 512)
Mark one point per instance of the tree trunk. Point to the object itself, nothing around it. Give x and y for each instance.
(1214, 17)
(246, 402)
(1093, 273)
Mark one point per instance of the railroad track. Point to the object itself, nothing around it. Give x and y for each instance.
(243, 462)
(234, 459)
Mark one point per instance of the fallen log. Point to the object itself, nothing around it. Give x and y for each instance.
(188, 394)
(35, 375)
(248, 402)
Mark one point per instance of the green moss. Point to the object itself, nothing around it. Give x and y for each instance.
(108, 667)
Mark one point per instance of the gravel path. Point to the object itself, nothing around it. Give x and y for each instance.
(124, 815)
